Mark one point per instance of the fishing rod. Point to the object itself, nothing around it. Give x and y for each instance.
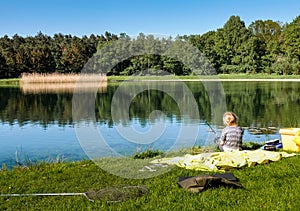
(213, 130)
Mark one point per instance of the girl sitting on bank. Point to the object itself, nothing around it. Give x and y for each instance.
(231, 137)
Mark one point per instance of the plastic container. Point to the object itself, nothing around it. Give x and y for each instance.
(290, 137)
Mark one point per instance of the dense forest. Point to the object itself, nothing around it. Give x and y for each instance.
(265, 46)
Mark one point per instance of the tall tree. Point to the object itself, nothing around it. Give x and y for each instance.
(292, 39)
(3, 66)
(228, 43)
(8, 52)
(74, 55)
(269, 33)
(207, 46)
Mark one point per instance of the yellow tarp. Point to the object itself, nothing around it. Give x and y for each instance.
(217, 161)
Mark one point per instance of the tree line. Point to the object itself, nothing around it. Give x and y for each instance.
(265, 46)
(262, 47)
(45, 54)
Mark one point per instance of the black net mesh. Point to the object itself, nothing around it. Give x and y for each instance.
(117, 193)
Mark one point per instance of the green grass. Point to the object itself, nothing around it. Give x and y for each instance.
(12, 82)
(190, 77)
(273, 186)
(257, 76)
(15, 81)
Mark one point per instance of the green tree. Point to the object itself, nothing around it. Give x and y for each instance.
(269, 33)
(229, 43)
(22, 59)
(74, 55)
(292, 39)
(207, 46)
(3, 66)
(8, 52)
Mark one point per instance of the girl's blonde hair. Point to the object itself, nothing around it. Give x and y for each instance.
(230, 118)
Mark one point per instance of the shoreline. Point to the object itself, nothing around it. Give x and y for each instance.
(222, 77)
(211, 79)
(170, 78)
(16, 83)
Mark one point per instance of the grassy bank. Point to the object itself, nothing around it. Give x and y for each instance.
(257, 76)
(220, 76)
(16, 81)
(273, 186)
(13, 82)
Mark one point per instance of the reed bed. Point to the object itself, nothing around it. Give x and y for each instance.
(34, 88)
(58, 82)
(61, 78)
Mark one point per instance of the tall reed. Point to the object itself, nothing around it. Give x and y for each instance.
(61, 78)
(58, 82)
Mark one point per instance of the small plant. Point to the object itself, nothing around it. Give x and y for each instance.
(4, 167)
(251, 145)
(198, 149)
(147, 154)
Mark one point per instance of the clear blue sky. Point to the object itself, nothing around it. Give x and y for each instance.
(165, 17)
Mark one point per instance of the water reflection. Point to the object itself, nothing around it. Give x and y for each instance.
(264, 104)
(40, 123)
(258, 104)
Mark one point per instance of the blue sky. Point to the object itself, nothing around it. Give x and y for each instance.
(161, 17)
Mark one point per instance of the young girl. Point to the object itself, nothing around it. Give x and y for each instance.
(231, 138)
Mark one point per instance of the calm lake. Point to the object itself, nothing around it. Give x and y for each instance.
(39, 124)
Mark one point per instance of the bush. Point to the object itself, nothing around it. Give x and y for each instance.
(147, 154)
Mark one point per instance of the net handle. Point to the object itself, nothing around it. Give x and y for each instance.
(45, 194)
(88, 195)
